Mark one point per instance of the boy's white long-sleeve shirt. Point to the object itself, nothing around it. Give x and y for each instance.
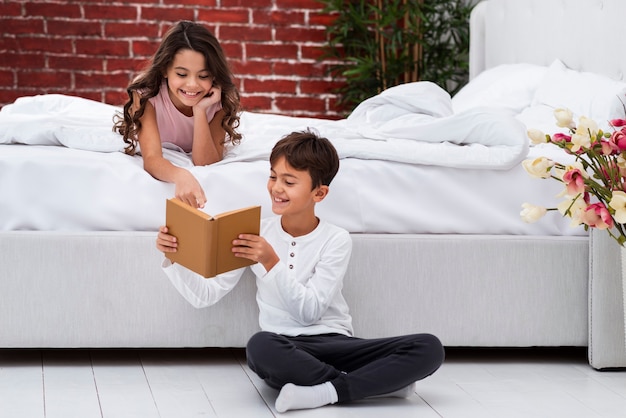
(300, 295)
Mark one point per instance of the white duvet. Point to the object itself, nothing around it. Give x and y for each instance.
(409, 166)
(412, 123)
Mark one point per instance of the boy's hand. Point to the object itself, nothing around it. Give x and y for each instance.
(165, 242)
(255, 248)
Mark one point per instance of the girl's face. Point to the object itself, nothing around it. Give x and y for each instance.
(188, 79)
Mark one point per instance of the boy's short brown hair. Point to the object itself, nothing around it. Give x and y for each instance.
(306, 150)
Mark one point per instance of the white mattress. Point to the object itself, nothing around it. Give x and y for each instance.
(59, 188)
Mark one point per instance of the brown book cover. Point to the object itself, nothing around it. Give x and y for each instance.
(205, 241)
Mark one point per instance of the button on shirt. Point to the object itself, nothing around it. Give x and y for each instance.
(292, 255)
(300, 295)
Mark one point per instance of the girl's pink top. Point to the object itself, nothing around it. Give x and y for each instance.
(175, 127)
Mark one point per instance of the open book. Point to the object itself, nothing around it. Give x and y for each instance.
(205, 241)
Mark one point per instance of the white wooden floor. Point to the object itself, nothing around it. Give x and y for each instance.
(185, 383)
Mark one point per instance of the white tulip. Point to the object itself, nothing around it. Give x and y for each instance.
(564, 118)
(536, 136)
(618, 202)
(532, 213)
(539, 167)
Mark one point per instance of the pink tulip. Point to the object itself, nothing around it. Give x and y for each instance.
(618, 122)
(618, 138)
(597, 216)
(608, 148)
(561, 137)
(574, 181)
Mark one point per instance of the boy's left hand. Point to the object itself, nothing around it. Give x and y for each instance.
(255, 248)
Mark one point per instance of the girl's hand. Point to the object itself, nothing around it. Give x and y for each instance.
(214, 96)
(189, 190)
(255, 248)
(165, 242)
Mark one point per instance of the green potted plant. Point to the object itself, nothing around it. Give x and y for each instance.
(376, 44)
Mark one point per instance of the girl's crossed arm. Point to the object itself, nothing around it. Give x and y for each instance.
(208, 136)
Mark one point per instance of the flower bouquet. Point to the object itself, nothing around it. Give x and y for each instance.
(594, 183)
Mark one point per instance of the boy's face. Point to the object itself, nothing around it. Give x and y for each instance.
(291, 190)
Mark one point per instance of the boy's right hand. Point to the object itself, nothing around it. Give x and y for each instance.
(165, 242)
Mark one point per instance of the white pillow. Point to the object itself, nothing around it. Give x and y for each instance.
(540, 117)
(56, 119)
(507, 86)
(584, 93)
(101, 139)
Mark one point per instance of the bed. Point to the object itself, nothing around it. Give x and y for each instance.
(430, 188)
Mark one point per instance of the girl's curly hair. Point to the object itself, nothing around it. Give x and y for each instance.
(184, 35)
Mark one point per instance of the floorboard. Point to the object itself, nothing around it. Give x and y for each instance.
(21, 384)
(122, 385)
(187, 383)
(69, 385)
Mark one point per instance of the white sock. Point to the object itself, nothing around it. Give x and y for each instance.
(405, 392)
(305, 397)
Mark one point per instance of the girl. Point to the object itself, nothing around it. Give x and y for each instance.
(186, 97)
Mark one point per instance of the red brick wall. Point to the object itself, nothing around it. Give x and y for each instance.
(93, 48)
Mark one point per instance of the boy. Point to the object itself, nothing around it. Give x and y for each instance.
(306, 348)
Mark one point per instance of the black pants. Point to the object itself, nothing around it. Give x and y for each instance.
(358, 368)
